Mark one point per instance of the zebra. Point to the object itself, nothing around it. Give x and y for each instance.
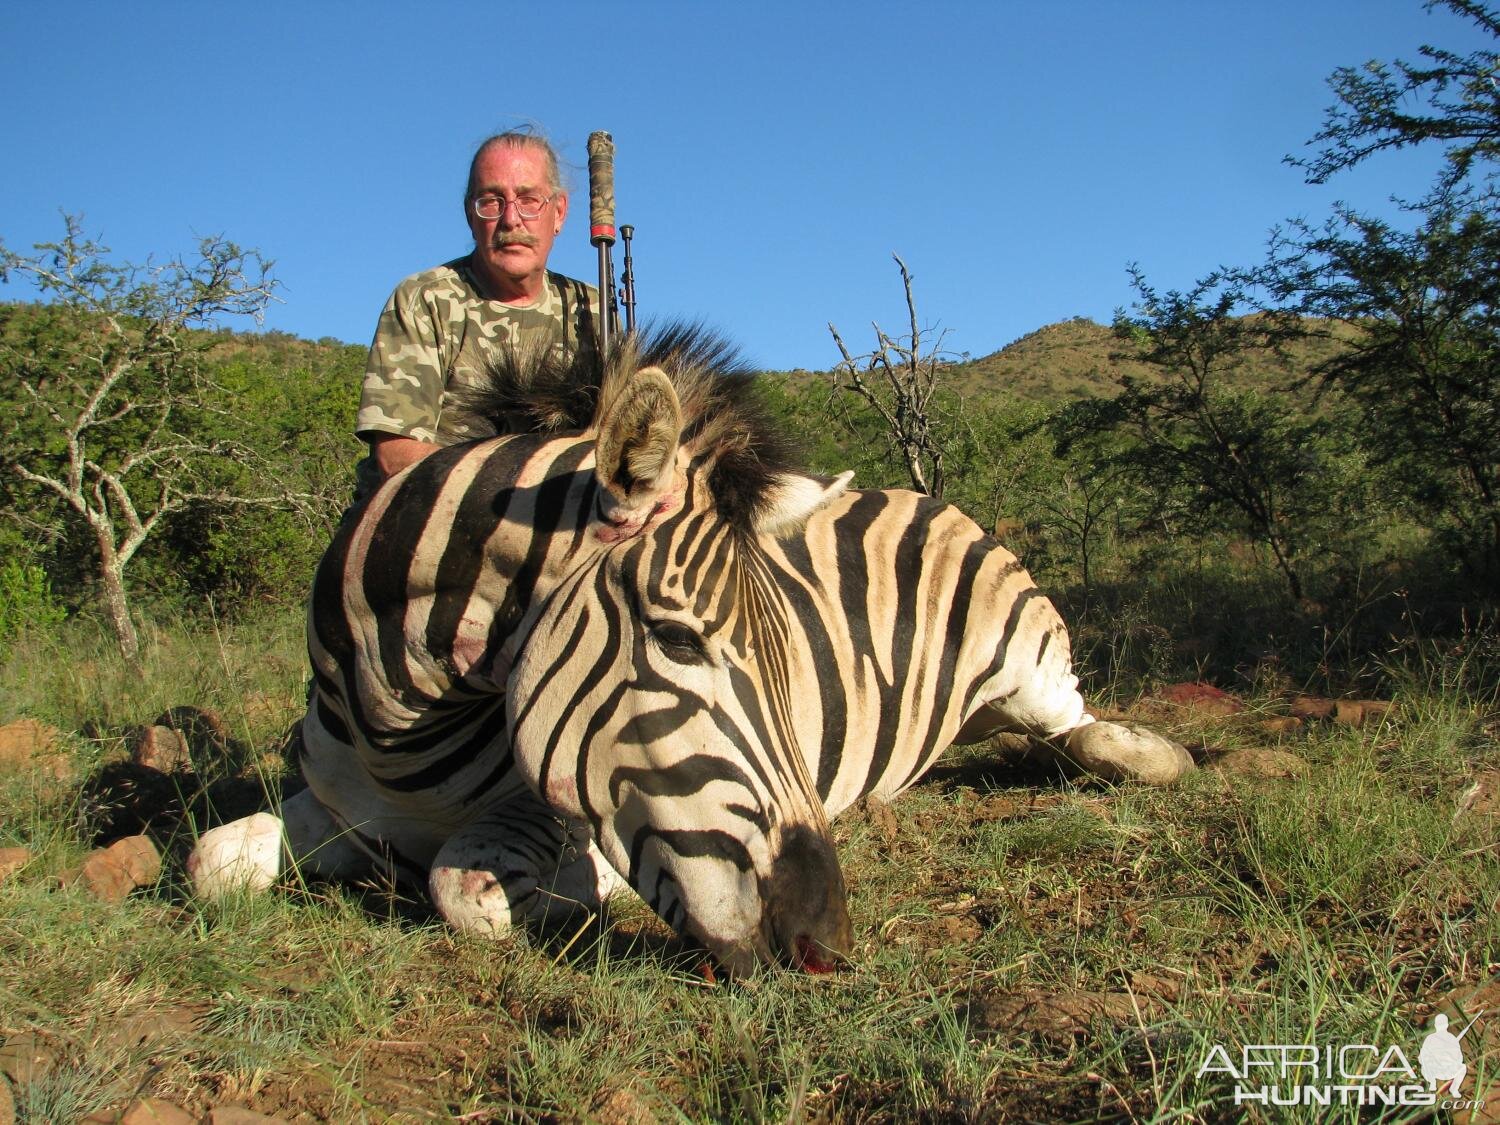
(633, 646)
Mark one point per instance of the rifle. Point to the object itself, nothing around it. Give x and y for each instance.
(602, 235)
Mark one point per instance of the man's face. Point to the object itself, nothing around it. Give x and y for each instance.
(511, 251)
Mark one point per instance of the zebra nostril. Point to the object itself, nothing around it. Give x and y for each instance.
(812, 957)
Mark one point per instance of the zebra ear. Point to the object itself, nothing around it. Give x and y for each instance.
(794, 497)
(636, 450)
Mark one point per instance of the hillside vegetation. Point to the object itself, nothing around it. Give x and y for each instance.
(1079, 358)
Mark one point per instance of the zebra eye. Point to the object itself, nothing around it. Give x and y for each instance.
(679, 643)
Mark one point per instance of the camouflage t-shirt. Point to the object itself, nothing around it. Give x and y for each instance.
(438, 331)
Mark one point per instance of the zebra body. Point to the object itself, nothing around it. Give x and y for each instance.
(646, 653)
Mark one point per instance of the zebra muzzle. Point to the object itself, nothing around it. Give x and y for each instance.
(807, 907)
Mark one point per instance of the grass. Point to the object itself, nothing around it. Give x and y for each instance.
(1026, 949)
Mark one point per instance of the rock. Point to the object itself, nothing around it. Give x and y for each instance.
(1347, 712)
(202, 727)
(622, 1105)
(239, 1115)
(30, 746)
(111, 873)
(1254, 762)
(1127, 752)
(12, 860)
(155, 1111)
(1482, 798)
(7, 1103)
(151, 1029)
(160, 748)
(1359, 712)
(1201, 699)
(25, 1059)
(1311, 707)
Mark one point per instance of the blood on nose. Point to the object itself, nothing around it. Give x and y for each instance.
(813, 958)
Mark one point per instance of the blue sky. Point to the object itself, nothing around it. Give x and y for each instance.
(771, 156)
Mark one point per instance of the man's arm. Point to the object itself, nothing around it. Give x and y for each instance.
(392, 453)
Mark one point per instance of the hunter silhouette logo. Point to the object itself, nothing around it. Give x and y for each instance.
(1442, 1055)
(1359, 1074)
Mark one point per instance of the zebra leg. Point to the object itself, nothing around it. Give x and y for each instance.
(1047, 706)
(520, 863)
(1122, 752)
(252, 853)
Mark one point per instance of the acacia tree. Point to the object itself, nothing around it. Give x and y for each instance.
(109, 406)
(1420, 307)
(1450, 99)
(1420, 354)
(1253, 462)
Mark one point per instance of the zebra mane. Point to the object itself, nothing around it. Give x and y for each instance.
(725, 424)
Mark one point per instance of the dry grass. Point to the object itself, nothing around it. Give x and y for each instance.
(1027, 949)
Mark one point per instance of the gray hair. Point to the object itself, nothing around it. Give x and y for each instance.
(524, 137)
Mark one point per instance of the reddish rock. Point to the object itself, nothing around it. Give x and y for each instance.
(12, 860)
(203, 729)
(160, 748)
(1311, 707)
(622, 1105)
(1358, 712)
(155, 1111)
(25, 1059)
(30, 746)
(239, 1115)
(1201, 698)
(111, 873)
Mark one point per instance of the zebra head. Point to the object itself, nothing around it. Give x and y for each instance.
(652, 695)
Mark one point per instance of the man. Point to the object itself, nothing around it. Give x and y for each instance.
(443, 326)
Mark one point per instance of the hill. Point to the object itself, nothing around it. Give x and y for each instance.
(1079, 359)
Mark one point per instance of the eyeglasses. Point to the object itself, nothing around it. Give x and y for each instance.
(528, 207)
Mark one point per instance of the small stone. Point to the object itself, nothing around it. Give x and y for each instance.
(622, 1105)
(1254, 762)
(202, 728)
(239, 1115)
(1201, 699)
(1359, 712)
(111, 873)
(155, 1111)
(12, 860)
(25, 1059)
(1311, 707)
(150, 1029)
(30, 746)
(160, 748)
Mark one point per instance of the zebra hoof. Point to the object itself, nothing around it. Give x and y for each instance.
(242, 855)
(1127, 752)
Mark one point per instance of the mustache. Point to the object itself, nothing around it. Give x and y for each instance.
(513, 238)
